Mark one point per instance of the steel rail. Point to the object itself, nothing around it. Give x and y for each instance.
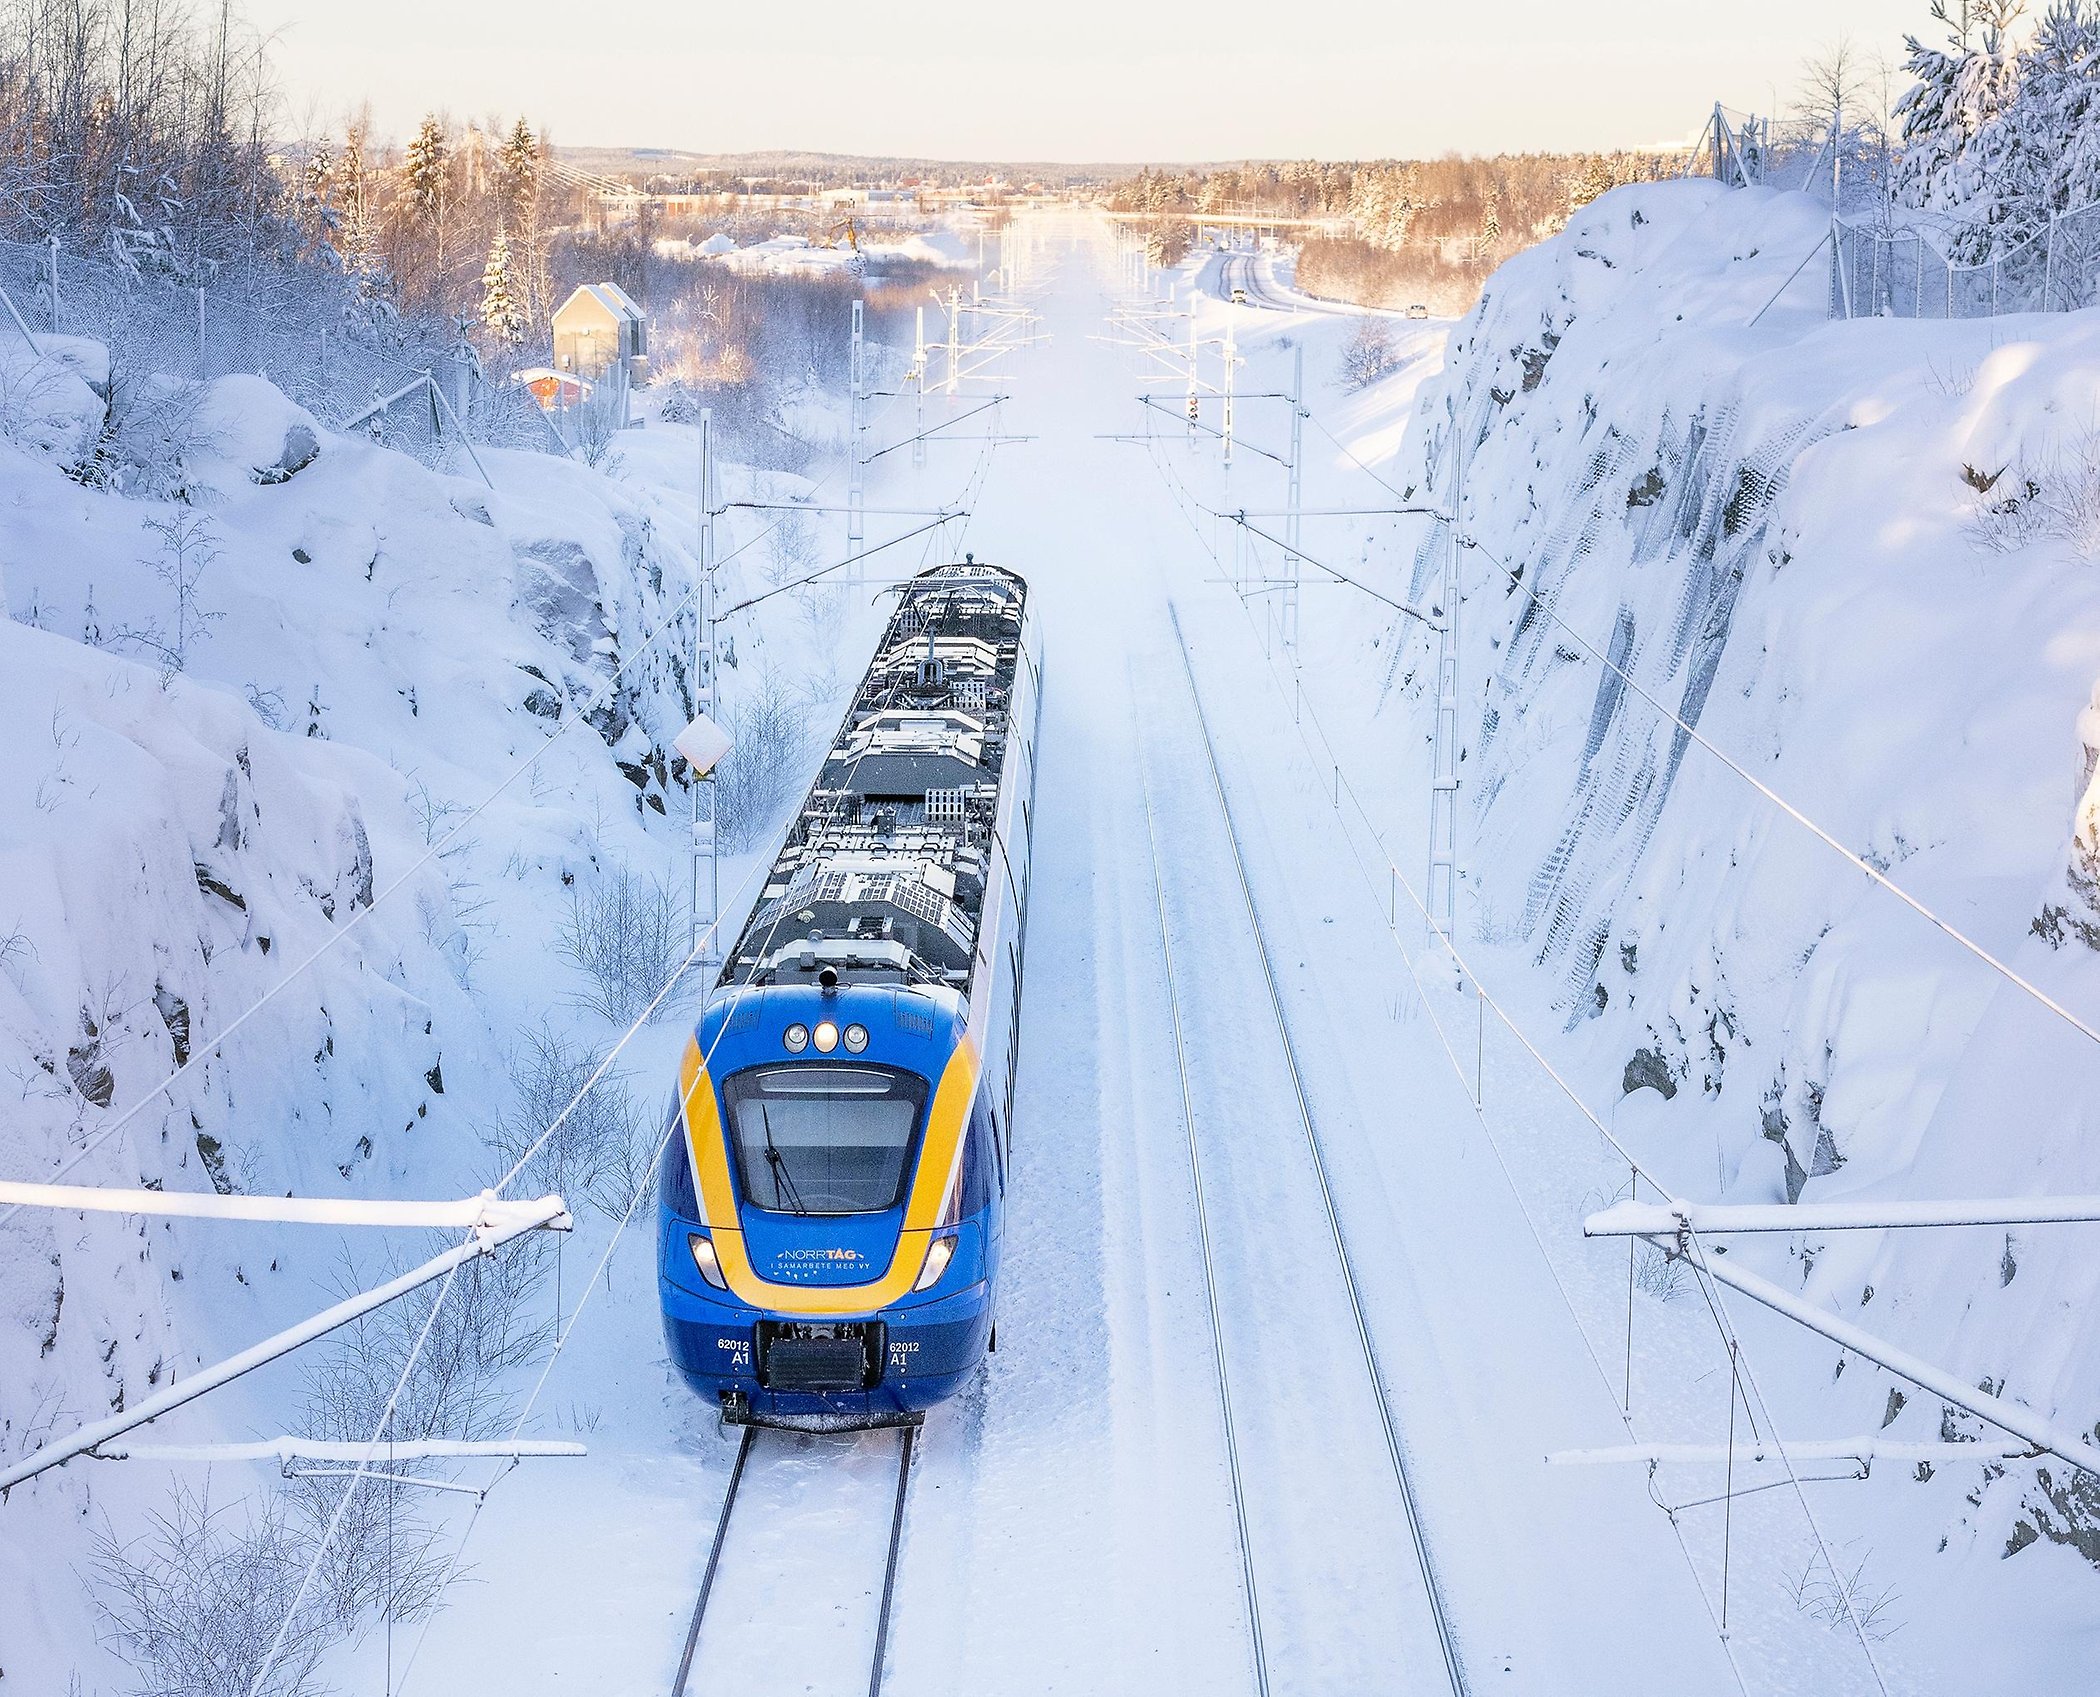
(714, 1561)
(681, 1682)
(889, 1566)
(1447, 1643)
(1210, 1277)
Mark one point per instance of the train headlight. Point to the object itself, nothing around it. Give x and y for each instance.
(938, 1254)
(796, 1037)
(856, 1039)
(703, 1249)
(826, 1037)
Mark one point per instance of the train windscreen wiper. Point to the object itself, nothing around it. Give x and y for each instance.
(778, 1162)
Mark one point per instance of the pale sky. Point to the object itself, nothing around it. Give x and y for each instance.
(1069, 80)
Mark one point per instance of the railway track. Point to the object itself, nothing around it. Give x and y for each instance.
(1452, 1666)
(740, 1473)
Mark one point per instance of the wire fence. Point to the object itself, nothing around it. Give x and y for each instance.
(1880, 267)
(398, 382)
(1882, 272)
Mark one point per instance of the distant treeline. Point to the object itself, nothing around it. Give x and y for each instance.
(1427, 230)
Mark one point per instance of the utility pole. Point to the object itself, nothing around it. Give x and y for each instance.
(1443, 782)
(856, 490)
(954, 338)
(707, 866)
(1194, 406)
(1291, 520)
(1231, 359)
(918, 383)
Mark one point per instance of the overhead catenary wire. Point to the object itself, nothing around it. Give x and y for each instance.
(1740, 1356)
(645, 1187)
(1799, 815)
(1730, 1338)
(202, 1053)
(1401, 881)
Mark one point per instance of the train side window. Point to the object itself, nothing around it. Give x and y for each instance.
(978, 1174)
(675, 1181)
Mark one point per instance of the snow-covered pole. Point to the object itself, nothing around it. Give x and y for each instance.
(89, 1437)
(704, 688)
(2042, 1433)
(954, 338)
(918, 384)
(287, 1449)
(1668, 1219)
(1193, 403)
(1443, 783)
(856, 473)
(1291, 520)
(477, 1213)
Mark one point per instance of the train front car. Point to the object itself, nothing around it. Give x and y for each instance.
(829, 1231)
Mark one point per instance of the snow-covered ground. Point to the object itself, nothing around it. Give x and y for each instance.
(1785, 509)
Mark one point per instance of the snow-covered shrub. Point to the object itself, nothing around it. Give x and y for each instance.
(186, 549)
(1843, 1598)
(2052, 498)
(449, 1368)
(194, 1605)
(49, 406)
(627, 934)
(1369, 353)
(765, 768)
(1658, 1273)
(147, 435)
(596, 1154)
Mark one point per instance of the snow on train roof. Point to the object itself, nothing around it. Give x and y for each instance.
(882, 876)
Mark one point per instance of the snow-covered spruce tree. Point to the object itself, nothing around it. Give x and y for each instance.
(2060, 93)
(503, 314)
(518, 180)
(1957, 154)
(2003, 139)
(424, 169)
(426, 196)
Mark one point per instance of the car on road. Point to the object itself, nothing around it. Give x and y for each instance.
(1418, 310)
(1239, 297)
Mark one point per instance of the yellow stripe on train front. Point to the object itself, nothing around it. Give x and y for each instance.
(940, 1167)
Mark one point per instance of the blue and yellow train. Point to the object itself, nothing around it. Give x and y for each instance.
(829, 1222)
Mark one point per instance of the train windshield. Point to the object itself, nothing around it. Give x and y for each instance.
(824, 1139)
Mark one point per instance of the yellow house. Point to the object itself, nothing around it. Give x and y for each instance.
(598, 326)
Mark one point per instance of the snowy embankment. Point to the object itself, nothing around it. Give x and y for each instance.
(242, 700)
(1860, 559)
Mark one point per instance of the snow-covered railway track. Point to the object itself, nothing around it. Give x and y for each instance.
(798, 1619)
(1271, 1028)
